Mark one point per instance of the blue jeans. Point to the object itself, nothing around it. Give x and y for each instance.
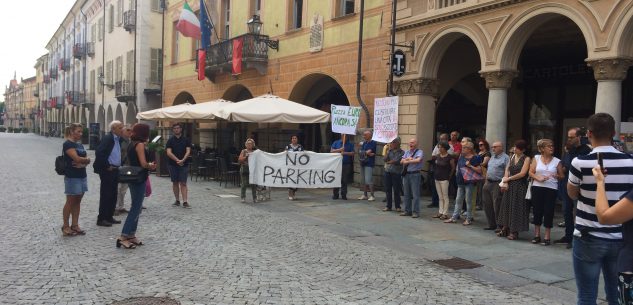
(464, 191)
(393, 185)
(591, 255)
(412, 192)
(137, 192)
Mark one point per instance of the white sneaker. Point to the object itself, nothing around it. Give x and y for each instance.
(371, 198)
(362, 197)
(290, 198)
(243, 200)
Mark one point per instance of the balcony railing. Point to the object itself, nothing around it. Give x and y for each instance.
(79, 51)
(447, 3)
(64, 64)
(220, 55)
(47, 79)
(124, 91)
(53, 73)
(36, 92)
(89, 99)
(59, 102)
(90, 49)
(129, 20)
(74, 98)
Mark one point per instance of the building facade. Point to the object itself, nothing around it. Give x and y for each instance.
(506, 70)
(100, 66)
(315, 64)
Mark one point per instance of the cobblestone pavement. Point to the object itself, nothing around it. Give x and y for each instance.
(218, 252)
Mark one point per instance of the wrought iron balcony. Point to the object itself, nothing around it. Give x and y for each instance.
(47, 79)
(59, 102)
(79, 51)
(129, 20)
(124, 91)
(53, 73)
(74, 98)
(64, 64)
(89, 99)
(36, 92)
(254, 55)
(90, 49)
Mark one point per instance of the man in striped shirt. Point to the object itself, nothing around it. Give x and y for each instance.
(596, 246)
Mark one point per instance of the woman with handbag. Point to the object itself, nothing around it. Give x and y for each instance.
(243, 160)
(468, 174)
(484, 154)
(136, 176)
(75, 181)
(545, 171)
(514, 214)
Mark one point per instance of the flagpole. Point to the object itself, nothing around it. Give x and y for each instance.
(206, 9)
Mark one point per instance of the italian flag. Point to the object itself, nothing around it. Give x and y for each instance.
(188, 24)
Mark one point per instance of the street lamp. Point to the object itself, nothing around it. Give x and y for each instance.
(255, 28)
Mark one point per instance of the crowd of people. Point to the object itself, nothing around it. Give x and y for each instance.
(593, 180)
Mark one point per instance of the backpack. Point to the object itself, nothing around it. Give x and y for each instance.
(60, 165)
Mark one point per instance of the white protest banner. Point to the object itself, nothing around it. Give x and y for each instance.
(385, 119)
(304, 169)
(345, 119)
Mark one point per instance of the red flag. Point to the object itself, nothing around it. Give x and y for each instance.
(237, 55)
(202, 57)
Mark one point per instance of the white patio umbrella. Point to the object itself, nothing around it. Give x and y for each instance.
(269, 108)
(185, 112)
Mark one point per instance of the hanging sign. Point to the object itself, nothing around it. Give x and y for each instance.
(398, 63)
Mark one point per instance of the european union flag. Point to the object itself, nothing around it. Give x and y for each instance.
(205, 27)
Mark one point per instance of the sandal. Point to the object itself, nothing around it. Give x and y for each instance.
(502, 233)
(536, 240)
(467, 222)
(77, 230)
(67, 231)
(437, 216)
(126, 243)
(513, 236)
(450, 220)
(135, 241)
(386, 209)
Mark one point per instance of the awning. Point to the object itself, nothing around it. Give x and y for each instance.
(271, 109)
(185, 112)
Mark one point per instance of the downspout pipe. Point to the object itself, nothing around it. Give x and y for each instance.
(394, 7)
(136, 97)
(359, 67)
(85, 50)
(103, 67)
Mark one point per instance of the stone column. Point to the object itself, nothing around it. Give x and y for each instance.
(497, 83)
(609, 73)
(418, 99)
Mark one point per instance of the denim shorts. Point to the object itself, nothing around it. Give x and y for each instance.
(178, 173)
(367, 175)
(75, 186)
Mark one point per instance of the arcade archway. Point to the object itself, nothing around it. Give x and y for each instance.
(319, 91)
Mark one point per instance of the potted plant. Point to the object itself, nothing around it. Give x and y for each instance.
(157, 149)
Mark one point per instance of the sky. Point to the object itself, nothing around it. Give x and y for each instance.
(26, 26)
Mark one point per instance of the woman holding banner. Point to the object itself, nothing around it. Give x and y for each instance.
(243, 160)
(294, 146)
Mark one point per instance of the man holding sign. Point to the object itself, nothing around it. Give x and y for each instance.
(347, 150)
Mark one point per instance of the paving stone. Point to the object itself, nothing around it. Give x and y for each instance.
(221, 251)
